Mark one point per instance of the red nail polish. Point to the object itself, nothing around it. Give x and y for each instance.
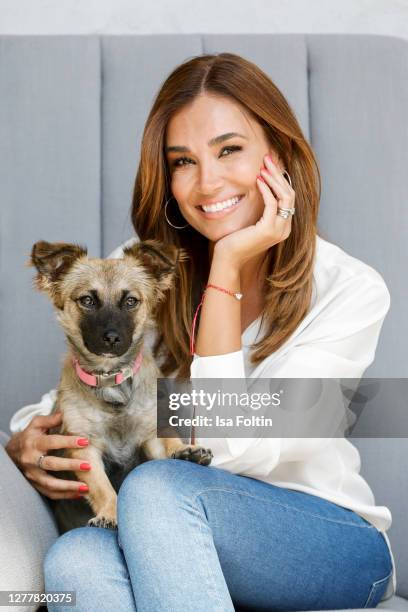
(83, 488)
(83, 441)
(85, 466)
(269, 158)
(261, 179)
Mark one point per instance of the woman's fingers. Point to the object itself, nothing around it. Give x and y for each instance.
(276, 227)
(41, 477)
(58, 494)
(35, 444)
(272, 223)
(56, 441)
(54, 486)
(278, 176)
(45, 421)
(269, 199)
(284, 194)
(284, 197)
(52, 463)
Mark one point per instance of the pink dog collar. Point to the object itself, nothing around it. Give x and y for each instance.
(105, 379)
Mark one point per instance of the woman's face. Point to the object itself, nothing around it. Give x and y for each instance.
(208, 165)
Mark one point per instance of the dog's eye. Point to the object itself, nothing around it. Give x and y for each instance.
(86, 300)
(131, 301)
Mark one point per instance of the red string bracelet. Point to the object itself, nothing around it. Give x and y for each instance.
(236, 295)
(192, 347)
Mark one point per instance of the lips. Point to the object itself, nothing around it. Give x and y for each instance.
(237, 195)
(221, 213)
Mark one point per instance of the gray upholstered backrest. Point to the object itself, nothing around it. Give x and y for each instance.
(72, 113)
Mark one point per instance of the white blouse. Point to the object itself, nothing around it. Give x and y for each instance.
(336, 339)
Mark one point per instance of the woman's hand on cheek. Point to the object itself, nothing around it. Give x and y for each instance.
(271, 228)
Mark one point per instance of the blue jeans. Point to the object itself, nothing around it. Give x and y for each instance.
(199, 538)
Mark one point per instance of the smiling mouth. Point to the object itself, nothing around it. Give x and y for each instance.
(217, 213)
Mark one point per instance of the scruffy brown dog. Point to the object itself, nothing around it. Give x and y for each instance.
(107, 390)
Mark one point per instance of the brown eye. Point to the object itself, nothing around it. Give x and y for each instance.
(131, 302)
(87, 301)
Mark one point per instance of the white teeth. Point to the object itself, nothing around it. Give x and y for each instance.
(221, 205)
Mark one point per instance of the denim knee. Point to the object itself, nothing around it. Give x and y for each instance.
(151, 478)
(69, 560)
(154, 486)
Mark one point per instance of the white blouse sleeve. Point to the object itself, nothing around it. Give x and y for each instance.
(23, 416)
(118, 252)
(339, 342)
(229, 365)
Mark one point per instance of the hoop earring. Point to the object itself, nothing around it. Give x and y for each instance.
(167, 219)
(288, 179)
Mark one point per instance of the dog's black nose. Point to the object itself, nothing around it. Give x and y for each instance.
(111, 337)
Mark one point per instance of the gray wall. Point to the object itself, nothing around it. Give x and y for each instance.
(203, 16)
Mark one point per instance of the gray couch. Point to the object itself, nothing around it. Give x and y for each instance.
(71, 117)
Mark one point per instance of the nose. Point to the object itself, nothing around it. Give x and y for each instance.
(209, 178)
(111, 337)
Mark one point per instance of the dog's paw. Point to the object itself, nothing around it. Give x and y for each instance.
(103, 521)
(197, 454)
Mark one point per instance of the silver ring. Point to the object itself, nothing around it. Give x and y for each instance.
(40, 460)
(285, 212)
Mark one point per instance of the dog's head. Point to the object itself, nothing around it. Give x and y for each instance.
(105, 305)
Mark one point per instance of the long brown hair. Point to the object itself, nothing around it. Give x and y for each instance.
(288, 282)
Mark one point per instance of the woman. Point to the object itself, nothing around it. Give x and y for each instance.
(286, 524)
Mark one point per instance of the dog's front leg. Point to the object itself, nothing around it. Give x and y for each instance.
(160, 448)
(102, 496)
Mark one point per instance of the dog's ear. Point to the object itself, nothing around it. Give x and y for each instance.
(159, 258)
(53, 260)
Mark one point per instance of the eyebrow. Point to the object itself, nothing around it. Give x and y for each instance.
(211, 143)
